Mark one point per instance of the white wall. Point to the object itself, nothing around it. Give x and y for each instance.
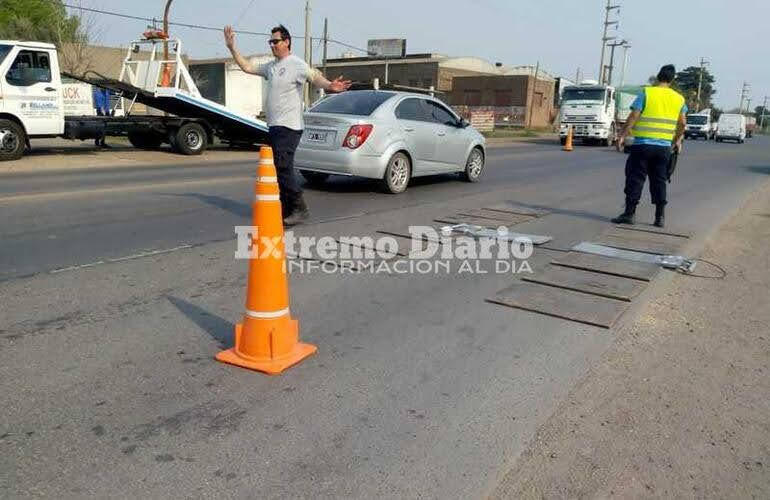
(245, 93)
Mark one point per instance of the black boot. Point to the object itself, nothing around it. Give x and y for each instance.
(627, 217)
(660, 216)
(299, 214)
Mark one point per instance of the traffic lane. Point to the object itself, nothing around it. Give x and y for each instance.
(116, 215)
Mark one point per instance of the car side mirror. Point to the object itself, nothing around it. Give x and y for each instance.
(463, 123)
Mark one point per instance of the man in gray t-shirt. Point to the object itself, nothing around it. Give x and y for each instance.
(286, 76)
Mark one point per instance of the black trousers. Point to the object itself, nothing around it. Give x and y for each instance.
(647, 161)
(284, 142)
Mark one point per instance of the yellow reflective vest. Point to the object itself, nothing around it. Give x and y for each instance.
(662, 107)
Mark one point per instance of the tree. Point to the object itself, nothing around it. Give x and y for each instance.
(48, 21)
(686, 83)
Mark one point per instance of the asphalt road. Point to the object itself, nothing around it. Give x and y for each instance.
(419, 388)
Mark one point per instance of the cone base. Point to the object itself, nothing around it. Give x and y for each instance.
(270, 366)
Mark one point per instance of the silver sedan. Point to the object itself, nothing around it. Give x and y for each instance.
(392, 136)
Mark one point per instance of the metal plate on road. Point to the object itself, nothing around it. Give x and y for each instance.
(651, 247)
(608, 265)
(509, 208)
(560, 303)
(504, 218)
(603, 285)
(642, 228)
(667, 239)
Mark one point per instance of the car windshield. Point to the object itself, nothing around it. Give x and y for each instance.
(356, 102)
(574, 94)
(696, 120)
(4, 49)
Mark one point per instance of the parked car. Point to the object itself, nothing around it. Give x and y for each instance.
(387, 135)
(731, 127)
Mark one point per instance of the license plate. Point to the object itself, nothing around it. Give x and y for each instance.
(317, 136)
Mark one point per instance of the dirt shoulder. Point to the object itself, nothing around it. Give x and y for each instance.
(680, 406)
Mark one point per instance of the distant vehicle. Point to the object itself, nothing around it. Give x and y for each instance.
(699, 125)
(731, 127)
(751, 125)
(593, 113)
(387, 135)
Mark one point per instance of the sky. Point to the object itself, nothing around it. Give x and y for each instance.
(562, 35)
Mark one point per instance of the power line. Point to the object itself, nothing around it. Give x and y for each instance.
(195, 26)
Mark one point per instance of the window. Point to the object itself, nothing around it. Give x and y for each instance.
(29, 67)
(413, 109)
(356, 102)
(583, 94)
(440, 114)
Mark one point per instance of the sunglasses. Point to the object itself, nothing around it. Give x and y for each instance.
(275, 41)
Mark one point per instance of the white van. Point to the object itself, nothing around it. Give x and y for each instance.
(731, 127)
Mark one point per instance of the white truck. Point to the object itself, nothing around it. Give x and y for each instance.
(32, 104)
(699, 125)
(731, 126)
(594, 112)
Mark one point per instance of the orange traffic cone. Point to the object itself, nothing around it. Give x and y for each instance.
(268, 338)
(568, 144)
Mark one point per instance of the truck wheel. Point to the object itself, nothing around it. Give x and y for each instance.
(191, 139)
(144, 140)
(13, 140)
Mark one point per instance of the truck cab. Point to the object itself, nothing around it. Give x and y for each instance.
(30, 95)
(589, 109)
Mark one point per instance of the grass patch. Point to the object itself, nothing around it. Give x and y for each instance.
(514, 132)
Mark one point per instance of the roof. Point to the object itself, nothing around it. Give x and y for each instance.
(34, 45)
(470, 63)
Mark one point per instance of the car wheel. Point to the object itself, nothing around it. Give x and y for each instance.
(397, 174)
(563, 140)
(314, 178)
(474, 166)
(191, 139)
(12, 140)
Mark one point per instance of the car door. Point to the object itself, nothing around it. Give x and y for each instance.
(452, 143)
(416, 123)
(31, 87)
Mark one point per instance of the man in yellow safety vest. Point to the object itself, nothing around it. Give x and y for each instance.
(658, 117)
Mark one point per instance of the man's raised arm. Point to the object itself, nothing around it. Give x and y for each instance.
(241, 61)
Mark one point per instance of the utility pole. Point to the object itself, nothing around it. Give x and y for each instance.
(326, 43)
(308, 49)
(609, 8)
(762, 116)
(744, 94)
(625, 63)
(611, 66)
(577, 76)
(703, 62)
(532, 98)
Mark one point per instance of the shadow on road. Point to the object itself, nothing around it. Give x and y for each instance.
(343, 184)
(218, 328)
(234, 207)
